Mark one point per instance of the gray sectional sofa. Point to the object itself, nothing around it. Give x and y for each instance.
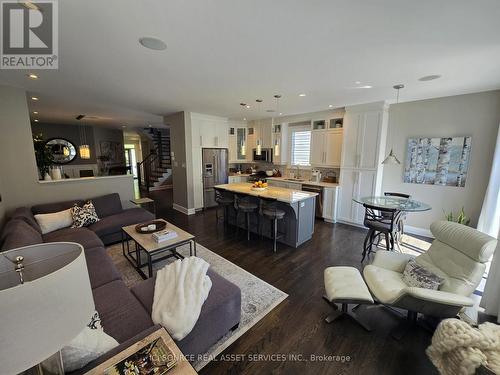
(125, 313)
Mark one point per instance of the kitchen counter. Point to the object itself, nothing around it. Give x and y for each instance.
(272, 192)
(295, 228)
(240, 174)
(305, 182)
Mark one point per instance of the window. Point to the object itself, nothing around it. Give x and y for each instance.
(300, 147)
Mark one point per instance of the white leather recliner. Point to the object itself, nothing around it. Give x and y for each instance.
(458, 255)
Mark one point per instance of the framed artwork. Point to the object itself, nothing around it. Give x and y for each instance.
(437, 161)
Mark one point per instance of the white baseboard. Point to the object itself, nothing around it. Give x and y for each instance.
(351, 223)
(418, 231)
(184, 210)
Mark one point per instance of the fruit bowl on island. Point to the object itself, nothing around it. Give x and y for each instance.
(259, 186)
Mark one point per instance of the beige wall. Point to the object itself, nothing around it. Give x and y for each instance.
(477, 115)
(19, 174)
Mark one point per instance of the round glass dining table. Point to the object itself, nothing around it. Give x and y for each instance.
(391, 202)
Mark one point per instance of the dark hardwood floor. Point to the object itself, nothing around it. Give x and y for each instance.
(297, 325)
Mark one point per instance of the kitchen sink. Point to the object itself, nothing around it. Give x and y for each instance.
(295, 179)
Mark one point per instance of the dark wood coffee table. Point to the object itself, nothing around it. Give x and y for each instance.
(145, 243)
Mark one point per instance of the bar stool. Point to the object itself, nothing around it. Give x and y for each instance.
(223, 201)
(246, 206)
(269, 210)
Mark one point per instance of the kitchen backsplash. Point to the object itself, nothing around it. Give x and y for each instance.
(285, 172)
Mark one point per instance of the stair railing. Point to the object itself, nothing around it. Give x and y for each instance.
(152, 162)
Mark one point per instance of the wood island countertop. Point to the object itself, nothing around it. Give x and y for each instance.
(272, 192)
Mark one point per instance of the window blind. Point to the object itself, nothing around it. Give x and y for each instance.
(301, 147)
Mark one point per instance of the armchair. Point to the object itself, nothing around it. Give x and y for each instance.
(458, 255)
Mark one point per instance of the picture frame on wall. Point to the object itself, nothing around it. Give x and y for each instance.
(437, 161)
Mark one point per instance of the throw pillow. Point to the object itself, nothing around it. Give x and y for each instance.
(54, 221)
(417, 276)
(84, 216)
(90, 344)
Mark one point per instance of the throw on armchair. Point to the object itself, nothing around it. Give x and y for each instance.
(458, 255)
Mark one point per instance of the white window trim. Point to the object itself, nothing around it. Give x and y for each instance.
(291, 130)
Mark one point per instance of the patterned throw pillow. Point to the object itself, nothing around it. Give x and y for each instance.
(417, 276)
(84, 216)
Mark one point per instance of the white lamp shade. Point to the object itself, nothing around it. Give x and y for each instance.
(51, 308)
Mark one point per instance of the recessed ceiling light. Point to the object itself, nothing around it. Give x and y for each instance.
(247, 106)
(36, 120)
(32, 76)
(35, 112)
(153, 43)
(358, 82)
(302, 95)
(124, 126)
(34, 98)
(244, 118)
(429, 78)
(330, 106)
(281, 113)
(363, 87)
(150, 126)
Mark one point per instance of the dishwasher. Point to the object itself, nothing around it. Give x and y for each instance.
(319, 198)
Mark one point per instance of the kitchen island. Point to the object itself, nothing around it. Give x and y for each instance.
(297, 226)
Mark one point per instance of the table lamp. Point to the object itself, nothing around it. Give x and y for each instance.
(45, 302)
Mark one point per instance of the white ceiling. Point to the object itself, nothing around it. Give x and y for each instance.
(227, 51)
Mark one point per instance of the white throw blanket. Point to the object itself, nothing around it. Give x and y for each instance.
(181, 288)
(459, 349)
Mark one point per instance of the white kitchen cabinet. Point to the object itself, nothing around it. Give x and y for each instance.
(330, 200)
(355, 183)
(363, 137)
(209, 131)
(365, 131)
(275, 183)
(236, 179)
(326, 148)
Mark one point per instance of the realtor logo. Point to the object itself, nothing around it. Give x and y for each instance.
(29, 34)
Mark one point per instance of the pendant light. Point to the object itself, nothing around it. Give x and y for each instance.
(84, 149)
(258, 150)
(277, 139)
(243, 147)
(391, 158)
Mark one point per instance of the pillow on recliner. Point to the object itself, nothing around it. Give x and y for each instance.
(420, 277)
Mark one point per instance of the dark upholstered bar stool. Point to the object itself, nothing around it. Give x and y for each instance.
(223, 200)
(244, 205)
(269, 210)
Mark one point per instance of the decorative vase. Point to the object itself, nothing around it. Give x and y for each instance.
(55, 173)
(47, 177)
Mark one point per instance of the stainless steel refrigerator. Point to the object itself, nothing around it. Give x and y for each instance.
(215, 170)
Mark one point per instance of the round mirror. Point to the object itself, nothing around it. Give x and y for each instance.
(62, 150)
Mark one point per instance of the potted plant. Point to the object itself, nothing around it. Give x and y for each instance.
(461, 218)
(43, 155)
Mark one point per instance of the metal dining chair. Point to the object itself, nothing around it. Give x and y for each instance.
(402, 218)
(379, 221)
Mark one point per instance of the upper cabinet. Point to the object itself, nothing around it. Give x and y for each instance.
(364, 137)
(209, 131)
(326, 148)
(237, 142)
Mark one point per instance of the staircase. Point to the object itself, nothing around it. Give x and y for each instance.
(155, 171)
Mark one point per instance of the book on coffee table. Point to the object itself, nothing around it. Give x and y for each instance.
(164, 235)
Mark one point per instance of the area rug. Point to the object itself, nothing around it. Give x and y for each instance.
(258, 298)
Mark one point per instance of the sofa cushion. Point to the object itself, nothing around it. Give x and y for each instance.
(107, 205)
(24, 213)
(83, 236)
(84, 216)
(220, 312)
(385, 285)
(101, 268)
(18, 233)
(113, 223)
(54, 207)
(54, 221)
(122, 315)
